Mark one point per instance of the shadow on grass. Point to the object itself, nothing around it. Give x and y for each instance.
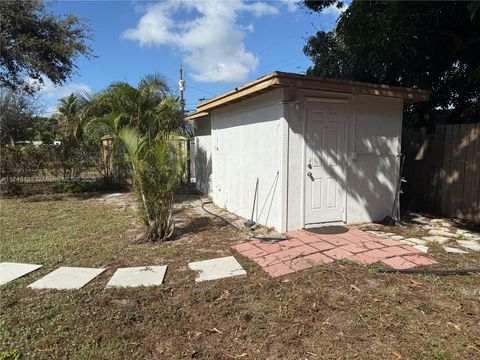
(44, 198)
(192, 225)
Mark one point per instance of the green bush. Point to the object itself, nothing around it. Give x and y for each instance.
(50, 161)
(73, 187)
(13, 189)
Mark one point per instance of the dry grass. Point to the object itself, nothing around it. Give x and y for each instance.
(336, 311)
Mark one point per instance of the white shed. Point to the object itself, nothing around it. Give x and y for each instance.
(323, 151)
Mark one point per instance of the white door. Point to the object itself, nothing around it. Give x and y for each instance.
(325, 162)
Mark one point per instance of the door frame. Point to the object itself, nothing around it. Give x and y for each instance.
(348, 116)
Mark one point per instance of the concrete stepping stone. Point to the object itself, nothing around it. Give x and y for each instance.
(422, 248)
(453, 250)
(217, 268)
(67, 278)
(471, 236)
(10, 271)
(469, 244)
(113, 195)
(138, 276)
(421, 220)
(436, 238)
(375, 232)
(442, 233)
(415, 241)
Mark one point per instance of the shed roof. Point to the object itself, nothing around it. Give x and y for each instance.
(279, 79)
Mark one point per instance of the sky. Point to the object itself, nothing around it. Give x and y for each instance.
(220, 44)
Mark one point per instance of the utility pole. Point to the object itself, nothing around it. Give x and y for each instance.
(181, 87)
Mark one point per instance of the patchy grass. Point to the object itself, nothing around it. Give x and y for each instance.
(337, 311)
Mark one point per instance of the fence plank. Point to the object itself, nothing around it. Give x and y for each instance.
(461, 141)
(445, 205)
(476, 175)
(443, 170)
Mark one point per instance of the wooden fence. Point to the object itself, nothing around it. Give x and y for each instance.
(442, 170)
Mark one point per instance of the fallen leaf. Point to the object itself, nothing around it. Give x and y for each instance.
(456, 326)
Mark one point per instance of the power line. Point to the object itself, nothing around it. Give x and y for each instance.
(265, 50)
(201, 90)
(281, 62)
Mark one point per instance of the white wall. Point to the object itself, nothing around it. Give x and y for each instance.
(260, 136)
(203, 155)
(373, 132)
(246, 145)
(372, 178)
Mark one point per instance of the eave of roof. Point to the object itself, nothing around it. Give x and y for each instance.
(284, 80)
(196, 115)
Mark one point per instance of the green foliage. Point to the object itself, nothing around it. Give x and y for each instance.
(19, 120)
(48, 161)
(12, 354)
(13, 189)
(17, 116)
(73, 187)
(37, 44)
(430, 45)
(146, 120)
(150, 107)
(158, 166)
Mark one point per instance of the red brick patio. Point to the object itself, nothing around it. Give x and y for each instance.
(304, 250)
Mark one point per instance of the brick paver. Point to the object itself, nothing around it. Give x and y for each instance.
(398, 262)
(303, 250)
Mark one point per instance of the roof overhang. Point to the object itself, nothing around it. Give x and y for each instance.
(289, 80)
(197, 115)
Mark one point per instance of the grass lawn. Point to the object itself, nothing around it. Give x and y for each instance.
(327, 312)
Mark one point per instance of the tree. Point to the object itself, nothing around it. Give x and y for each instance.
(69, 122)
(150, 107)
(429, 45)
(17, 116)
(69, 119)
(35, 44)
(157, 168)
(146, 120)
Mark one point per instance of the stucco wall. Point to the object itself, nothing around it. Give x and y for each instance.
(246, 145)
(203, 155)
(261, 137)
(373, 131)
(372, 177)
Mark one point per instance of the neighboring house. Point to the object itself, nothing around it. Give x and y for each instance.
(324, 151)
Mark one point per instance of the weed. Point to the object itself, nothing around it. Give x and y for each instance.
(167, 250)
(12, 354)
(439, 352)
(350, 262)
(375, 267)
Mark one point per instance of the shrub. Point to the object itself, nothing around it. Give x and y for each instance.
(73, 187)
(157, 168)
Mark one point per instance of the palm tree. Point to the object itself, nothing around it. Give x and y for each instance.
(150, 107)
(68, 120)
(157, 168)
(70, 125)
(146, 119)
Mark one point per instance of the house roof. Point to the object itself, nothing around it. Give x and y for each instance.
(279, 79)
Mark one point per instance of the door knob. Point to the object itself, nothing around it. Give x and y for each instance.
(309, 174)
